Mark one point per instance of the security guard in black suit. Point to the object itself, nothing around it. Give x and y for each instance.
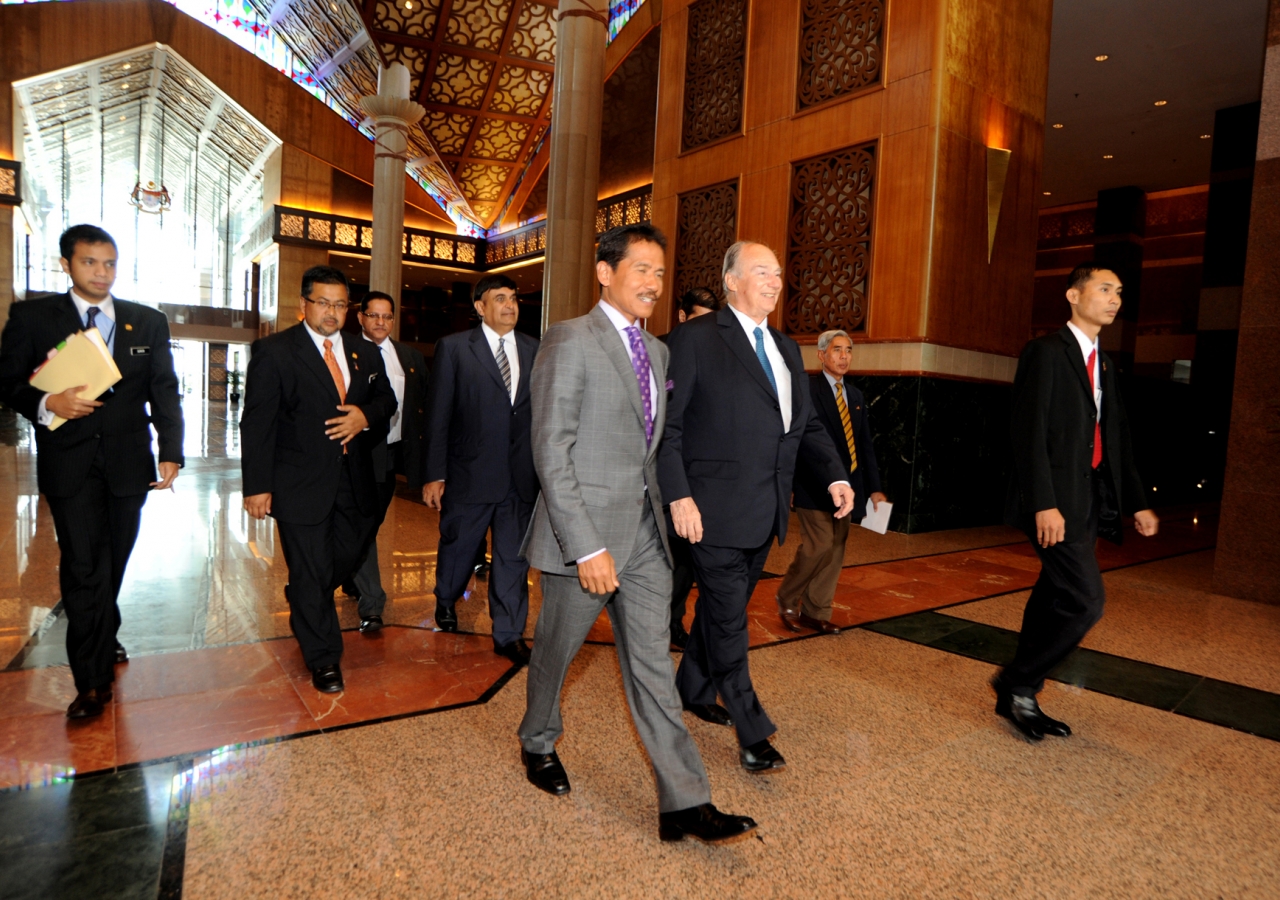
(97, 468)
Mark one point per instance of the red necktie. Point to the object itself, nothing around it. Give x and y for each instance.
(1097, 422)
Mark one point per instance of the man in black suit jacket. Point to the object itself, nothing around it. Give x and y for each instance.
(480, 471)
(1074, 476)
(806, 592)
(97, 468)
(403, 452)
(738, 417)
(317, 401)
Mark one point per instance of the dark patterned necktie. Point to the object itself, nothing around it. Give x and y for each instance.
(640, 362)
(504, 366)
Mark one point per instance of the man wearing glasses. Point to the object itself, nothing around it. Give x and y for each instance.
(317, 402)
(402, 453)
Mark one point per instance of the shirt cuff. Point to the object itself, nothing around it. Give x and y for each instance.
(43, 416)
(590, 556)
(834, 483)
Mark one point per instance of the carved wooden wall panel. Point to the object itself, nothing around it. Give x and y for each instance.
(715, 66)
(707, 225)
(829, 241)
(840, 48)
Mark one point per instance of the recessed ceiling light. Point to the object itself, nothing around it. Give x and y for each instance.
(1048, 193)
(1205, 137)
(1106, 156)
(125, 86)
(128, 66)
(1102, 57)
(58, 86)
(1162, 102)
(1057, 125)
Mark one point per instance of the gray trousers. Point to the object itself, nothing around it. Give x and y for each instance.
(640, 611)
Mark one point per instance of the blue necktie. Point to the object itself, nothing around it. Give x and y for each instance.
(764, 360)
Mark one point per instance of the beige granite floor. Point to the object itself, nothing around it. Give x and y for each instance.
(902, 783)
(1166, 613)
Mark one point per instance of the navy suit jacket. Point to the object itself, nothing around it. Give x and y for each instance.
(478, 441)
(724, 445)
(810, 489)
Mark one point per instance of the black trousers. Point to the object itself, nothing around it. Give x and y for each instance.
(1065, 603)
(462, 529)
(715, 659)
(96, 533)
(681, 578)
(320, 557)
(366, 581)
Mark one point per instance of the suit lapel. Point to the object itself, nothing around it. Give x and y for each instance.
(313, 361)
(1076, 358)
(70, 318)
(525, 354)
(358, 366)
(827, 404)
(124, 322)
(660, 401)
(484, 355)
(611, 341)
(736, 338)
(799, 382)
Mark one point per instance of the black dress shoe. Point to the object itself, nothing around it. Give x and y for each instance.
(327, 679)
(761, 757)
(818, 625)
(122, 655)
(1030, 719)
(704, 822)
(517, 651)
(370, 624)
(679, 637)
(89, 703)
(710, 712)
(545, 772)
(446, 617)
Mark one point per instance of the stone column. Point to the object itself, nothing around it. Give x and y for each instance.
(393, 112)
(573, 176)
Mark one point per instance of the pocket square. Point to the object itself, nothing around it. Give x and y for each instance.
(670, 386)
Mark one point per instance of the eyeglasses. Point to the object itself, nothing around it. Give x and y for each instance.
(379, 317)
(326, 305)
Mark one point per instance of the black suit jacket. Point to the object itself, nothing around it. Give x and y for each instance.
(1052, 430)
(478, 441)
(810, 488)
(724, 445)
(413, 419)
(147, 394)
(289, 394)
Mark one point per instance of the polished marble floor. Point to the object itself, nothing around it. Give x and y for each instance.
(219, 771)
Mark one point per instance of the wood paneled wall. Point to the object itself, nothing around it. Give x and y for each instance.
(958, 76)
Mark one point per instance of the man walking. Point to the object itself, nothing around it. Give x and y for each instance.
(598, 411)
(480, 472)
(1074, 477)
(808, 588)
(97, 468)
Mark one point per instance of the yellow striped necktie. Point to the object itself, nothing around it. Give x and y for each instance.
(848, 425)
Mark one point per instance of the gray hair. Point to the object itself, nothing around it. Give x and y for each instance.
(733, 253)
(825, 339)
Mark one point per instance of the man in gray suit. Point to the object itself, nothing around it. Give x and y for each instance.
(599, 405)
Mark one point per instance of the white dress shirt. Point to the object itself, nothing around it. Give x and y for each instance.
(509, 348)
(339, 351)
(781, 374)
(1087, 347)
(395, 374)
(106, 327)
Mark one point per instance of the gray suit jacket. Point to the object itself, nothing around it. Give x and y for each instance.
(589, 446)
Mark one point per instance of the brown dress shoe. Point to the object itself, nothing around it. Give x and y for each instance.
(790, 620)
(89, 703)
(818, 625)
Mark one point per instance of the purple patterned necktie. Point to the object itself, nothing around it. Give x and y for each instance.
(640, 362)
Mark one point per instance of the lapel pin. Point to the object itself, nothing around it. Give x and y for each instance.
(128, 327)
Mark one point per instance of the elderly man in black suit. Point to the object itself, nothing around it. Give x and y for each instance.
(97, 468)
(480, 471)
(402, 453)
(317, 401)
(739, 416)
(807, 590)
(1074, 477)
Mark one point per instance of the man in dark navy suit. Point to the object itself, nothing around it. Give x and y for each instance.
(1074, 477)
(97, 468)
(480, 471)
(317, 401)
(740, 414)
(806, 592)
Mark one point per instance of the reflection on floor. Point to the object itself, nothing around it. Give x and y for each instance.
(221, 772)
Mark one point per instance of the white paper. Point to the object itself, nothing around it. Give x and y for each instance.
(877, 520)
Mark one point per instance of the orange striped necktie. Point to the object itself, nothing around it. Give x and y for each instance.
(848, 425)
(332, 362)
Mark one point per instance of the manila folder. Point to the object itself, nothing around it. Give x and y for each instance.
(83, 358)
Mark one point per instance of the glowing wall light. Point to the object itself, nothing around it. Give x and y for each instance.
(997, 171)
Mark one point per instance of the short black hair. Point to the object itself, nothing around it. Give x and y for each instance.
(491, 283)
(1081, 274)
(613, 244)
(322, 275)
(82, 234)
(699, 296)
(378, 295)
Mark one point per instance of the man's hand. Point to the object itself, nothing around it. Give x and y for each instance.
(1050, 527)
(842, 497)
(68, 405)
(877, 498)
(686, 519)
(347, 426)
(432, 494)
(168, 472)
(1146, 522)
(258, 505)
(597, 575)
